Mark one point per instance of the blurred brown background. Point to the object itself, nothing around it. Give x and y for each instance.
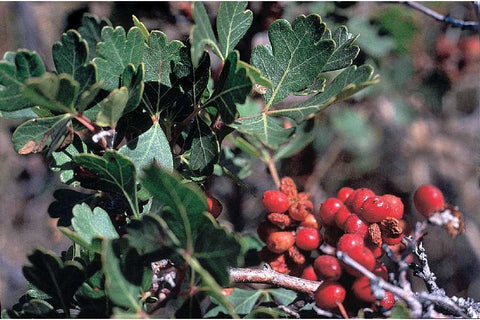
(419, 125)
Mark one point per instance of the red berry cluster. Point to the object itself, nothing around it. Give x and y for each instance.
(356, 222)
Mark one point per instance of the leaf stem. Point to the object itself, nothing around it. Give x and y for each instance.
(273, 169)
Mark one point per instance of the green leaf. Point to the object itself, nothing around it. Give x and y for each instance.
(65, 200)
(19, 114)
(267, 129)
(147, 235)
(346, 84)
(54, 92)
(70, 56)
(283, 296)
(36, 134)
(142, 27)
(318, 85)
(205, 148)
(115, 52)
(241, 299)
(400, 311)
(90, 224)
(76, 238)
(304, 135)
(195, 81)
(91, 31)
(13, 73)
(133, 80)
(202, 33)
(255, 75)
(121, 291)
(112, 108)
(233, 87)
(345, 50)
(186, 202)
(158, 55)
(57, 279)
(298, 54)
(37, 308)
(233, 21)
(113, 172)
(62, 160)
(149, 146)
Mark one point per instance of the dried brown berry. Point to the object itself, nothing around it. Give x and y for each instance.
(391, 228)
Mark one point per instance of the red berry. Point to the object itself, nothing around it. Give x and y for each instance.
(329, 294)
(360, 196)
(392, 241)
(275, 201)
(354, 224)
(389, 301)
(364, 257)
(328, 209)
(376, 250)
(344, 193)
(332, 235)
(381, 271)
(349, 241)
(309, 273)
(428, 199)
(214, 206)
(310, 221)
(308, 239)
(396, 206)
(327, 268)
(374, 209)
(341, 216)
(361, 289)
(281, 241)
(265, 228)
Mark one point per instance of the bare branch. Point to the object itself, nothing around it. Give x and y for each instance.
(270, 276)
(289, 311)
(456, 23)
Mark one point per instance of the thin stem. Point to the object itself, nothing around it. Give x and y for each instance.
(342, 309)
(273, 170)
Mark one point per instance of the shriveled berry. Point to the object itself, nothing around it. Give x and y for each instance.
(362, 290)
(388, 301)
(279, 242)
(361, 195)
(344, 193)
(214, 206)
(395, 206)
(265, 228)
(354, 224)
(309, 273)
(376, 250)
(275, 201)
(349, 241)
(327, 268)
(364, 257)
(428, 199)
(308, 238)
(332, 235)
(328, 209)
(329, 294)
(374, 209)
(341, 216)
(310, 221)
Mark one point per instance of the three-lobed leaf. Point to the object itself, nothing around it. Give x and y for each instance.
(112, 107)
(89, 224)
(91, 31)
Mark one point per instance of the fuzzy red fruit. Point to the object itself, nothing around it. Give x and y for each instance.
(275, 201)
(310, 221)
(361, 195)
(428, 199)
(327, 268)
(332, 235)
(341, 216)
(344, 193)
(281, 241)
(309, 273)
(308, 239)
(354, 224)
(361, 289)
(265, 228)
(374, 209)
(214, 206)
(392, 241)
(364, 257)
(376, 250)
(395, 206)
(348, 242)
(329, 294)
(328, 209)
(389, 301)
